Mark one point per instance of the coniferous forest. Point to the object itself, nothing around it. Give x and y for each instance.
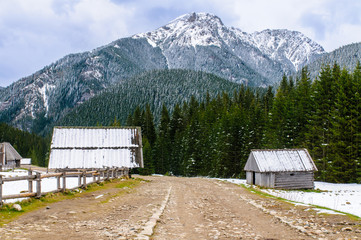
(214, 137)
(28, 145)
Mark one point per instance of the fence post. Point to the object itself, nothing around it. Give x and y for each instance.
(30, 182)
(1, 190)
(58, 183)
(64, 181)
(38, 185)
(84, 179)
(94, 178)
(79, 180)
(99, 175)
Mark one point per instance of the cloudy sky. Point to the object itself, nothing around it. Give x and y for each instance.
(35, 33)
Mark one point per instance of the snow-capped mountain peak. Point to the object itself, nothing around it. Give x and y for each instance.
(281, 44)
(194, 29)
(290, 48)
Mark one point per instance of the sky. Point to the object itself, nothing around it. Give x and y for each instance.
(36, 33)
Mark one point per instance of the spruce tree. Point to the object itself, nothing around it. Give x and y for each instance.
(319, 136)
(148, 126)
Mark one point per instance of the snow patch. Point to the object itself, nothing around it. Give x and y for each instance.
(340, 197)
(44, 91)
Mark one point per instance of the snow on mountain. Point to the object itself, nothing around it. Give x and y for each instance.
(187, 30)
(289, 48)
(282, 45)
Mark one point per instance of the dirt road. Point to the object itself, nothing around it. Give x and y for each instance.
(178, 208)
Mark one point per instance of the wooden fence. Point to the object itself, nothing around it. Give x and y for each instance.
(98, 176)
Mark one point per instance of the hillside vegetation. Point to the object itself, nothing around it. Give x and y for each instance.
(154, 88)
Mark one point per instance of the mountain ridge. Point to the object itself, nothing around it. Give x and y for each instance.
(56, 89)
(204, 29)
(346, 57)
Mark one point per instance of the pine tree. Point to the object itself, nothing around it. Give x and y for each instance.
(344, 155)
(148, 126)
(303, 105)
(319, 136)
(147, 158)
(357, 119)
(163, 144)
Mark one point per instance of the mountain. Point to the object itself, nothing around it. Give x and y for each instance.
(194, 41)
(346, 57)
(155, 88)
(202, 42)
(74, 79)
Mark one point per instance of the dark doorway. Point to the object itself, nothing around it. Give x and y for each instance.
(253, 178)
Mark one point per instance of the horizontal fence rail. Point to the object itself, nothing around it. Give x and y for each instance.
(99, 175)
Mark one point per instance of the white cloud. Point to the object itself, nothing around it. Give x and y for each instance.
(37, 32)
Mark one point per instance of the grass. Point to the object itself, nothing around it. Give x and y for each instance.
(8, 214)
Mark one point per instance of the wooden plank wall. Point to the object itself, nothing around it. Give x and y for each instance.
(294, 180)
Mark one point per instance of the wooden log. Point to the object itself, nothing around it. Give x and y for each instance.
(30, 182)
(84, 180)
(64, 181)
(73, 173)
(79, 180)
(20, 195)
(49, 175)
(1, 190)
(38, 184)
(11, 179)
(58, 182)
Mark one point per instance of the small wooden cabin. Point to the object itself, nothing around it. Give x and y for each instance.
(9, 157)
(281, 168)
(96, 147)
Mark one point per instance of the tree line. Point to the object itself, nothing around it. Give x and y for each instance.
(214, 137)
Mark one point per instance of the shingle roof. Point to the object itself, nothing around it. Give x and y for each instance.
(280, 160)
(96, 147)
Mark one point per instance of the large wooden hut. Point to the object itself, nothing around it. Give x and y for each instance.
(96, 148)
(9, 157)
(281, 168)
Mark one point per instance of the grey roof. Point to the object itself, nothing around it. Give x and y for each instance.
(280, 160)
(10, 153)
(96, 147)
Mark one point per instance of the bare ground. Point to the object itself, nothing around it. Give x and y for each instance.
(178, 208)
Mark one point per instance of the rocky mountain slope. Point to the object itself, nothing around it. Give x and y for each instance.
(346, 57)
(193, 41)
